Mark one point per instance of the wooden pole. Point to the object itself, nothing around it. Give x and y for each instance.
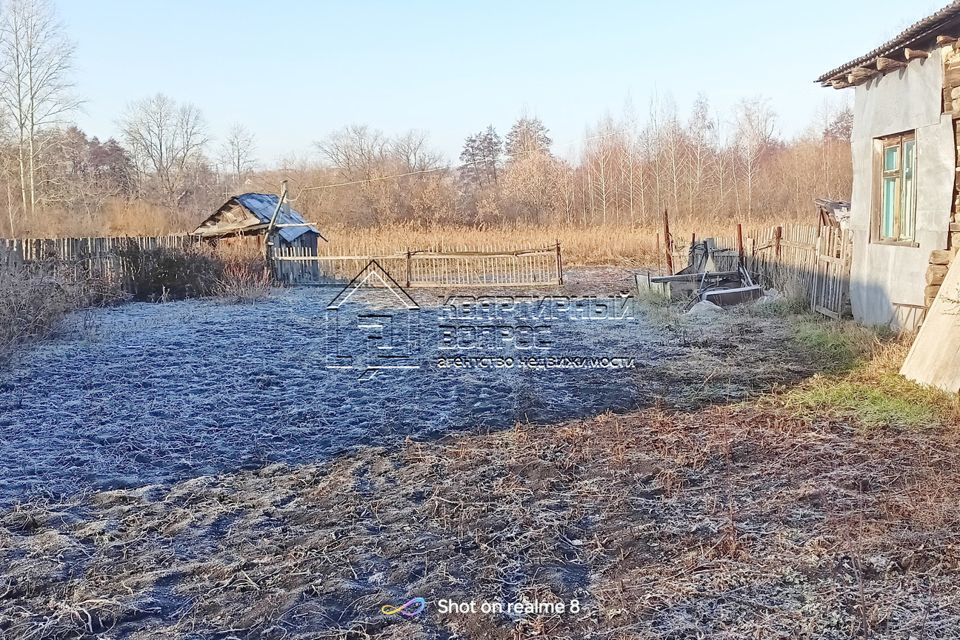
(666, 241)
(659, 268)
(268, 243)
(740, 243)
(777, 237)
(559, 263)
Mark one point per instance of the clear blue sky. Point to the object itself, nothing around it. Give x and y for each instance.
(294, 71)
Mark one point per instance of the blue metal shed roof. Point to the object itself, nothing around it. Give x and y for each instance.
(263, 205)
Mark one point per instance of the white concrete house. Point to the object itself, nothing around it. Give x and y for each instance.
(904, 144)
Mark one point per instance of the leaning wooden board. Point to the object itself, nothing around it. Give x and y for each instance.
(934, 358)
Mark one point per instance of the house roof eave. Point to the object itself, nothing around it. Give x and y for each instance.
(922, 35)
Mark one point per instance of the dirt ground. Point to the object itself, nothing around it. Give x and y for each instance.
(705, 516)
(726, 522)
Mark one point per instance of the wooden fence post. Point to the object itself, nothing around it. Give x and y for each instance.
(408, 267)
(667, 242)
(740, 244)
(559, 263)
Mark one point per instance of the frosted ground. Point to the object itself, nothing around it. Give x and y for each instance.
(155, 393)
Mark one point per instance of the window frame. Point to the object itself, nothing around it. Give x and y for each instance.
(881, 175)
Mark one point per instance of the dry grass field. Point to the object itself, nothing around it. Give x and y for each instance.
(818, 510)
(582, 246)
(728, 522)
(594, 244)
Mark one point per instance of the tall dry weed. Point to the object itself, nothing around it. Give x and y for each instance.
(35, 298)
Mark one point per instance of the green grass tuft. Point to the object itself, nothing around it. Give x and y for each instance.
(885, 399)
(835, 346)
(861, 379)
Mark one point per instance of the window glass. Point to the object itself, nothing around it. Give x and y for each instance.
(890, 158)
(889, 211)
(908, 205)
(895, 211)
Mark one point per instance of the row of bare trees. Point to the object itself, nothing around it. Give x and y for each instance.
(624, 170)
(50, 169)
(708, 167)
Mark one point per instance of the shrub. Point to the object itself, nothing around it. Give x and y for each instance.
(167, 273)
(35, 298)
(244, 279)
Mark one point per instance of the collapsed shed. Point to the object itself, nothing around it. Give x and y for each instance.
(833, 213)
(244, 220)
(712, 275)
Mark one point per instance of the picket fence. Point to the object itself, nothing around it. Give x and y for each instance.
(483, 268)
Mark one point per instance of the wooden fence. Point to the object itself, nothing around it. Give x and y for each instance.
(297, 265)
(88, 257)
(809, 260)
(813, 259)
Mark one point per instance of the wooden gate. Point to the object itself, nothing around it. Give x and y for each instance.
(830, 286)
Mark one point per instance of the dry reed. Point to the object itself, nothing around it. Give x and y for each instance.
(582, 246)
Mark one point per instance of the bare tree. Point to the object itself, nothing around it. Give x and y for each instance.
(387, 178)
(597, 158)
(356, 152)
(166, 140)
(81, 174)
(236, 153)
(35, 88)
(411, 153)
(702, 144)
(532, 184)
(755, 128)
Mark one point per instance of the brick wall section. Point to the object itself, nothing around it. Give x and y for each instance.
(940, 259)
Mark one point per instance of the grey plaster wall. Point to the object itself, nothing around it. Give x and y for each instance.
(901, 101)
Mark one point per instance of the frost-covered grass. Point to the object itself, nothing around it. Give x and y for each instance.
(726, 522)
(777, 518)
(35, 298)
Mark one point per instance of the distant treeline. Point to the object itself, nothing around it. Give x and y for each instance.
(165, 172)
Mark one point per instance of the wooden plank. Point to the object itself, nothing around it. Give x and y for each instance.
(827, 312)
(933, 357)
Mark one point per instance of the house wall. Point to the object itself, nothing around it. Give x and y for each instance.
(246, 243)
(906, 100)
(307, 241)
